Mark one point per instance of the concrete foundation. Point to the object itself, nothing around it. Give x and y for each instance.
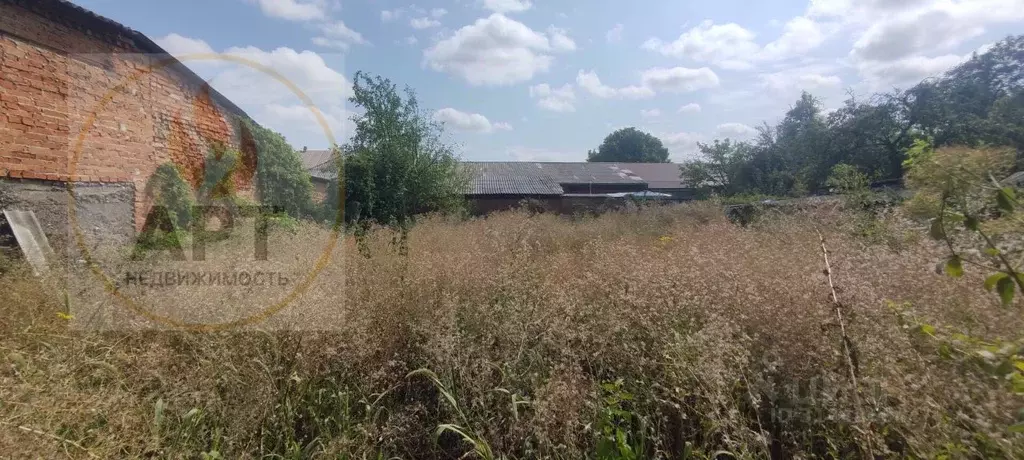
(104, 213)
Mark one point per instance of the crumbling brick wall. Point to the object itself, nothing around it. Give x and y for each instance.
(81, 100)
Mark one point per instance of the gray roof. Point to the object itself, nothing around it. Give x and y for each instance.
(318, 164)
(514, 185)
(661, 176)
(546, 178)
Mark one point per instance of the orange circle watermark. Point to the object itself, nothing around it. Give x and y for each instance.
(111, 287)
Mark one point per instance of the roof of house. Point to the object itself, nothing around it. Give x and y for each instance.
(534, 178)
(318, 164)
(657, 175)
(110, 31)
(514, 185)
(546, 178)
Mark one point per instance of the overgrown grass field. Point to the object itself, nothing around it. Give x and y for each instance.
(665, 333)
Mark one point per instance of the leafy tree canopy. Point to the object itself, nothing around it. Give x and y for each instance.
(281, 181)
(397, 163)
(630, 145)
(978, 103)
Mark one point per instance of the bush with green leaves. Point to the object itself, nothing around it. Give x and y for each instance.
(218, 172)
(281, 181)
(169, 190)
(978, 219)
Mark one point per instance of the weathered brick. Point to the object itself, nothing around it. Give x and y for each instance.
(60, 92)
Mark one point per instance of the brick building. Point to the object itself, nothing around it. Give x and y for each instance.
(90, 103)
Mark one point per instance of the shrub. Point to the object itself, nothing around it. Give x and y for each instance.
(169, 190)
(218, 175)
(281, 181)
(979, 219)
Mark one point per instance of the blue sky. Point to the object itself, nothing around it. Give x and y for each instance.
(547, 80)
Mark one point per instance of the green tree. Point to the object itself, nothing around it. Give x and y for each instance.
(281, 181)
(723, 166)
(397, 163)
(630, 145)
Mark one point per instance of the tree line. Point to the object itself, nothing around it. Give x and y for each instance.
(978, 103)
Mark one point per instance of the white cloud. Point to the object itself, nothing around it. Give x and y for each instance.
(908, 35)
(560, 40)
(729, 46)
(799, 79)
(681, 145)
(302, 127)
(864, 11)
(679, 79)
(800, 35)
(653, 80)
(423, 23)
(880, 76)
(829, 8)
(337, 35)
(293, 10)
(391, 15)
(937, 26)
(554, 99)
(736, 130)
(268, 100)
(690, 108)
(437, 13)
(614, 35)
(734, 47)
(495, 50)
(507, 6)
(330, 43)
(471, 122)
(178, 45)
(411, 40)
(306, 70)
(589, 81)
(521, 153)
(902, 43)
(650, 113)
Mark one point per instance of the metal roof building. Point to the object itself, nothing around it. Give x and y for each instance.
(578, 178)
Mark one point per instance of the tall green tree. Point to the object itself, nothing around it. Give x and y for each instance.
(978, 103)
(397, 163)
(630, 145)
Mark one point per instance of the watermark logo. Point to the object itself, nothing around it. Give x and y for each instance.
(208, 255)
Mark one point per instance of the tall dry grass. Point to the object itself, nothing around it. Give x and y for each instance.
(666, 333)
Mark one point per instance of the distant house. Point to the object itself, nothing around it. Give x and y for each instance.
(321, 171)
(556, 186)
(566, 187)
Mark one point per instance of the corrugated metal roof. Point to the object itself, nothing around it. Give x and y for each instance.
(561, 173)
(534, 178)
(657, 175)
(521, 177)
(514, 185)
(509, 178)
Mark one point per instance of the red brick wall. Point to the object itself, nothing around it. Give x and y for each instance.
(54, 80)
